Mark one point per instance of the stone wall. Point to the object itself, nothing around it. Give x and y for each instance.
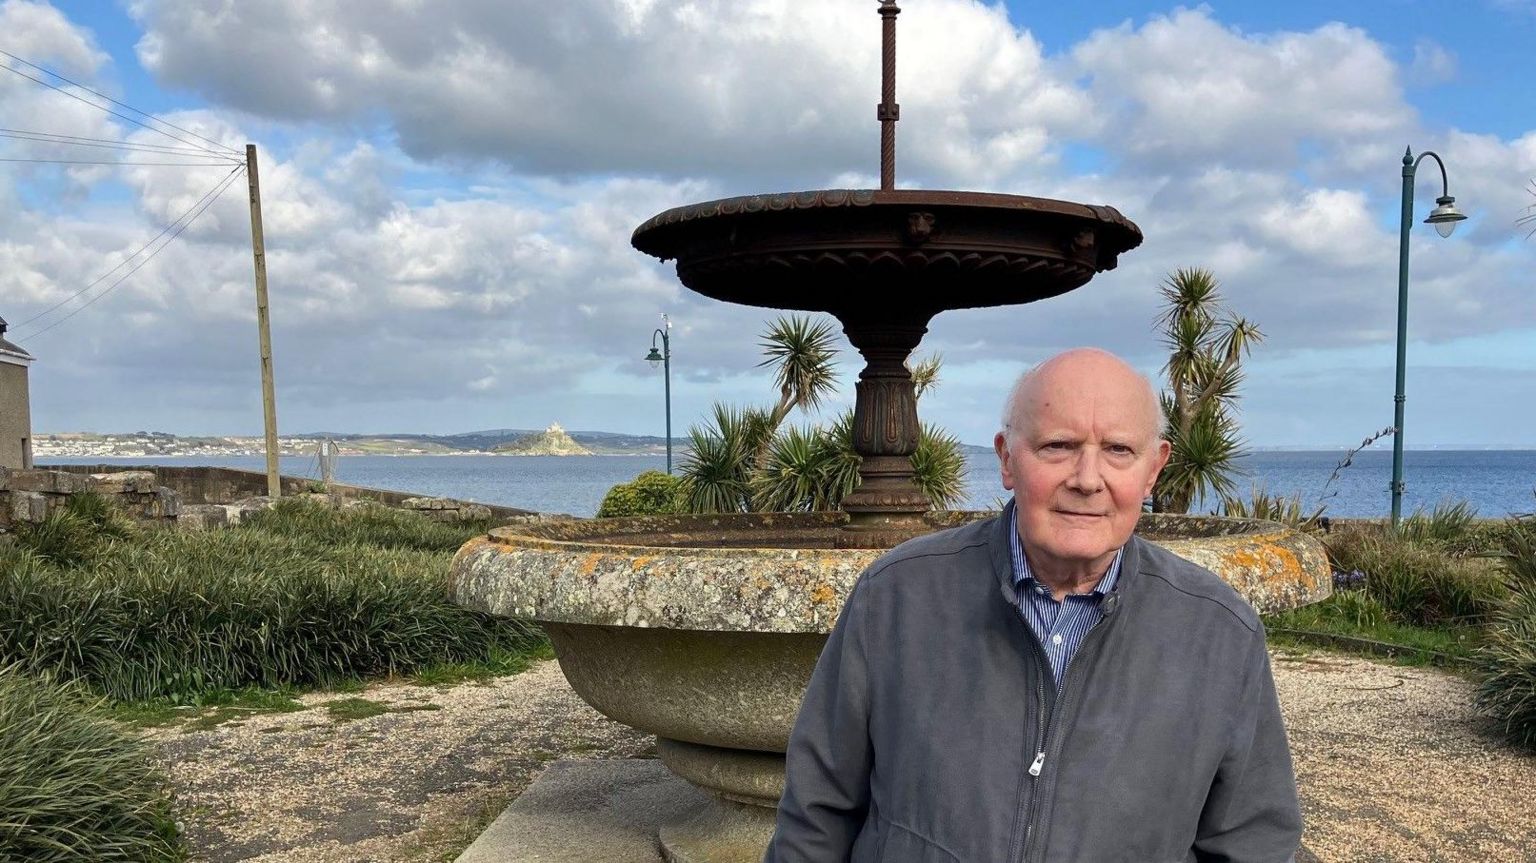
(205, 497)
(224, 485)
(29, 495)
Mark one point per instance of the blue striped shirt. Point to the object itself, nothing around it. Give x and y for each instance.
(1060, 626)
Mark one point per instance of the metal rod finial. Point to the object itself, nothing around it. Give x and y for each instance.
(888, 112)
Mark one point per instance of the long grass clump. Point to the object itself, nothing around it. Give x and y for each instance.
(85, 526)
(75, 786)
(1508, 691)
(371, 524)
(1415, 579)
(300, 596)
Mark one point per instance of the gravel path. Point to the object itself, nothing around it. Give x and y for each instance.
(1393, 766)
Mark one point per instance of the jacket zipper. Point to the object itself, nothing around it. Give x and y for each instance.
(1038, 765)
(1027, 805)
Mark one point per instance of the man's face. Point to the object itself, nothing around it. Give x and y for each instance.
(1080, 459)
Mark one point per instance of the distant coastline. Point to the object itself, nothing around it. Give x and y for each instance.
(497, 442)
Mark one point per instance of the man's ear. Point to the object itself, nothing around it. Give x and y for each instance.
(1160, 460)
(1004, 463)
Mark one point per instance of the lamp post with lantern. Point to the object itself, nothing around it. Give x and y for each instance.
(1444, 217)
(663, 358)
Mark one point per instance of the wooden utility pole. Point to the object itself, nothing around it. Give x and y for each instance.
(263, 326)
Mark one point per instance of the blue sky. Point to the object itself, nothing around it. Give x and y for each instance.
(449, 196)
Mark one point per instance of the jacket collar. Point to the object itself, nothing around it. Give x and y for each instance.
(1001, 553)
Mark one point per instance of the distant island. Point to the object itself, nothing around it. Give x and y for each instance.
(550, 441)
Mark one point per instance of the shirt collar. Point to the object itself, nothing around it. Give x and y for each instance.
(1021, 572)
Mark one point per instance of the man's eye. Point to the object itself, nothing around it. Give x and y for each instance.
(1120, 449)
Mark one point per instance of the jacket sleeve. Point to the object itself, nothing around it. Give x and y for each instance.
(1252, 814)
(826, 789)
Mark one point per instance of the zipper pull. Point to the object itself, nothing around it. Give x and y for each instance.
(1034, 769)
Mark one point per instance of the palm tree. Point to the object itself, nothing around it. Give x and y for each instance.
(1206, 345)
(745, 460)
(717, 468)
(793, 476)
(801, 353)
(739, 462)
(938, 466)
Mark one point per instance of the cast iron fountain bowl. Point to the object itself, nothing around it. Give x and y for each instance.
(832, 249)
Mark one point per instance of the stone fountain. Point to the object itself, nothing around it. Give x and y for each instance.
(704, 630)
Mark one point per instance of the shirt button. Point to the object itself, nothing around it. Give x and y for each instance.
(1056, 639)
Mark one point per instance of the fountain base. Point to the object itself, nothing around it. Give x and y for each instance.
(721, 831)
(579, 811)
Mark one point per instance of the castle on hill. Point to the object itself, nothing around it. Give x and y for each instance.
(551, 441)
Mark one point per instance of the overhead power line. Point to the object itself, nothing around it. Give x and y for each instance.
(220, 148)
(181, 224)
(124, 262)
(91, 162)
(102, 143)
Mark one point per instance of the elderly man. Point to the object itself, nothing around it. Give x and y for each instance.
(1045, 686)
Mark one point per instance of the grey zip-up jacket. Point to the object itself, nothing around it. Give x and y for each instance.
(931, 732)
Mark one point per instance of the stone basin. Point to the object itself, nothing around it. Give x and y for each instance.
(704, 630)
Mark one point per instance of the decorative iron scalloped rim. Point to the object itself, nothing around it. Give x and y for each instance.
(825, 198)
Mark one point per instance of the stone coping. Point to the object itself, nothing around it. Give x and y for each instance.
(636, 572)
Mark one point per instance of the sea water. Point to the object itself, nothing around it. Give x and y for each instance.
(1495, 482)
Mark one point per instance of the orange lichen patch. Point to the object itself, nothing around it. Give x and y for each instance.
(590, 562)
(639, 563)
(1271, 562)
(823, 594)
(1290, 565)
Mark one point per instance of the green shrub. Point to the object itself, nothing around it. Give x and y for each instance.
(1508, 692)
(295, 598)
(1419, 585)
(650, 493)
(74, 786)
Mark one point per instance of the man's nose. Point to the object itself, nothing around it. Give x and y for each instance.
(1086, 475)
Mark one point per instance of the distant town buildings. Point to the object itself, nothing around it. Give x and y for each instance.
(15, 405)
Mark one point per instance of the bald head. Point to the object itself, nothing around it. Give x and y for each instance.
(1078, 371)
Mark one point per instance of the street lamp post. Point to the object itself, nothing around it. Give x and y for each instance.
(1444, 217)
(664, 359)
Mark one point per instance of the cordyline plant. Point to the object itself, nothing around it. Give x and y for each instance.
(747, 460)
(1206, 346)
